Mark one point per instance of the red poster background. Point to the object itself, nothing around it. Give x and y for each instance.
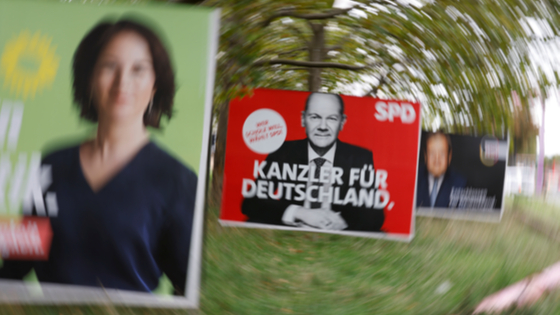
(27, 238)
(394, 146)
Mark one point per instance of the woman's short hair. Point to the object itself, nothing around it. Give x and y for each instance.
(85, 59)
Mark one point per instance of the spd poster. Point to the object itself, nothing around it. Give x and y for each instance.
(321, 162)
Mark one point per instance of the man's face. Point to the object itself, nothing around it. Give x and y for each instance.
(438, 156)
(322, 120)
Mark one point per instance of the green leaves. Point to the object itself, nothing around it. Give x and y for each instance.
(463, 60)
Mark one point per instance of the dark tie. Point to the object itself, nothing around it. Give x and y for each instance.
(433, 195)
(315, 193)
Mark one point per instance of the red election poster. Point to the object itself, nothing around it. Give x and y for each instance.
(322, 162)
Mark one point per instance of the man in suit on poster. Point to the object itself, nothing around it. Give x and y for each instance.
(436, 179)
(323, 118)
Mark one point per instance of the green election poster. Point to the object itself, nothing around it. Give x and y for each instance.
(104, 128)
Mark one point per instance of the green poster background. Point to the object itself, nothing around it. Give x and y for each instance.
(51, 120)
(50, 117)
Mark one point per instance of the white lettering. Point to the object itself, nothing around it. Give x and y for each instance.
(381, 179)
(337, 200)
(354, 175)
(326, 194)
(381, 199)
(248, 188)
(289, 187)
(278, 193)
(261, 189)
(258, 169)
(337, 175)
(274, 171)
(303, 175)
(351, 197)
(300, 190)
(404, 111)
(288, 172)
(366, 197)
(408, 115)
(381, 108)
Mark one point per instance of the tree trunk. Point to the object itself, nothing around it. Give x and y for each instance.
(316, 53)
(219, 155)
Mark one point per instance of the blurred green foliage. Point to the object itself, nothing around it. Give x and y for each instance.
(462, 59)
(469, 63)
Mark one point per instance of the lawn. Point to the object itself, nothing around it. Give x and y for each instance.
(447, 269)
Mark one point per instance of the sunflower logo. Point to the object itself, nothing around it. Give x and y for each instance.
(28, 64)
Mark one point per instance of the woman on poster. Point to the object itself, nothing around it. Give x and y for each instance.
(125, 206)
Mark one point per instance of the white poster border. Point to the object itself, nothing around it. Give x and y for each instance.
(17, 291)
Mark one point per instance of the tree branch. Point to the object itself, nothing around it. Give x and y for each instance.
(292, 68)
(306, 16)
(311, 64)
(328, 14)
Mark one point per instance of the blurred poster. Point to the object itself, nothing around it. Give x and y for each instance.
(461, 176)
(104, 132)
(321, 162)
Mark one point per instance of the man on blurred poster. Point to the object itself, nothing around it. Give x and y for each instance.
(436, 180)
(323, 119)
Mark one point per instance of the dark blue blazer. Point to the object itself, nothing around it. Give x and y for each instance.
(123, 236)
(450, 181)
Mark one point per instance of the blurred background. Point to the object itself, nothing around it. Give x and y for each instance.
(477, 67)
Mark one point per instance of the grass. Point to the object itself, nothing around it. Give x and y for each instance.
(274, 272)
(448, 268)
(537, 207)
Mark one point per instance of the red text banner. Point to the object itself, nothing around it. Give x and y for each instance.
(25, 239)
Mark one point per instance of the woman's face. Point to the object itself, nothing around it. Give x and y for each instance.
(124, 77)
